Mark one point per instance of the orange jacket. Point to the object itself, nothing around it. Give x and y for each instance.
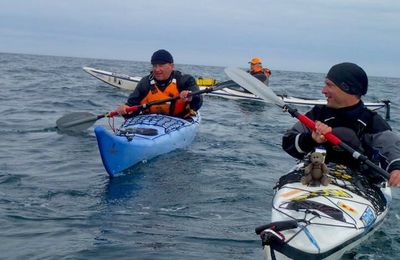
(259, 69)
(175, 108)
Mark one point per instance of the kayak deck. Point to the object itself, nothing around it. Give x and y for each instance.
(318, 222)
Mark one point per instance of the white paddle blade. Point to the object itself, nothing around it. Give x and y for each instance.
(254, 85)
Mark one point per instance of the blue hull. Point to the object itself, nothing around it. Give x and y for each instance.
(142, 138)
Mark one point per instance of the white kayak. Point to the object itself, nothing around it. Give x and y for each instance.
(323, 222)
(129, 83)
(114, 79)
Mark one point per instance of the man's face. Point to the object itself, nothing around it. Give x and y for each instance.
(337, 98)
(162, 71)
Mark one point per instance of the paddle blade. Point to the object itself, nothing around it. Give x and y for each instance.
(253, 85)
(77, 121)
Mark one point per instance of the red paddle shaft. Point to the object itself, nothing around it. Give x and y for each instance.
(128, 110)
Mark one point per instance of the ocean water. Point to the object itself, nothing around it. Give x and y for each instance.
(57, 202)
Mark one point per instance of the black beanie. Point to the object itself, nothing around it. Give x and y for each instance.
(161, 57)
(349, 77)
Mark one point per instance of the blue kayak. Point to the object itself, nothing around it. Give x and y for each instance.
(142, 138)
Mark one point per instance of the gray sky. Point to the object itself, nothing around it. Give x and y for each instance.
(298, 35)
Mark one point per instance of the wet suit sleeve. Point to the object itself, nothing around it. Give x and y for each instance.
(386, 143)
(297, 141)
(138, 94)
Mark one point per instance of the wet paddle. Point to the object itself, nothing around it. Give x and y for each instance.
(79, 121)
(259, 89)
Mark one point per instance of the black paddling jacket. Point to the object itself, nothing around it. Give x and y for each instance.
(378, 141)
(260, 75)
(184, 82)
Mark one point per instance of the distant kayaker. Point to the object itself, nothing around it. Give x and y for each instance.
(164, 82)
(346, 116)
(257, 70)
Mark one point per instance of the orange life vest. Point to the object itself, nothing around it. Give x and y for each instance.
(259, 69)
(174, 108)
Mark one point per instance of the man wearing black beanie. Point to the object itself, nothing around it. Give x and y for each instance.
(162, 83)
(346, 116)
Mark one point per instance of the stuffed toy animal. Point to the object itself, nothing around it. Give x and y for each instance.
(316, 171)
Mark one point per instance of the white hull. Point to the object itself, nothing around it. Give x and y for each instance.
(330, 220)
(114, 79)
(129, 83)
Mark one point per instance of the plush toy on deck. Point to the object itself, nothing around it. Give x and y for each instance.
(316, 171)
